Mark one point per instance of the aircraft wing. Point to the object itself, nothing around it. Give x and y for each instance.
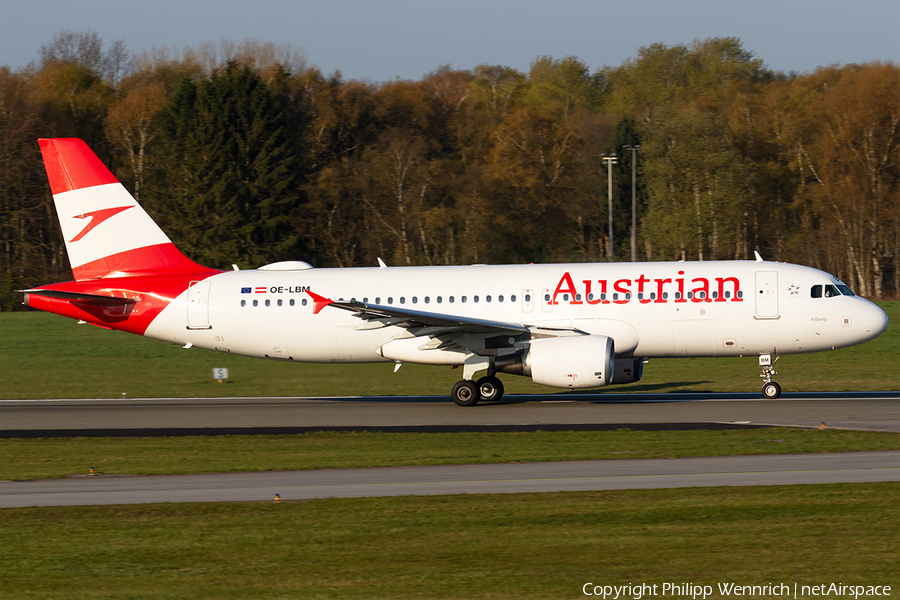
(421, 323)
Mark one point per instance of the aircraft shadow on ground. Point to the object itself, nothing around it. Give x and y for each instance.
(633, 394)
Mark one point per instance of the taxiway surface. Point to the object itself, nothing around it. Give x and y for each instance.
(781, 469)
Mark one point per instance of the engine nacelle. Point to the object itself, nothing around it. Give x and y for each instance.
(584, 361)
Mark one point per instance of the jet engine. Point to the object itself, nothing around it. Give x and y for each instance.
(584, 361)
(627, 370)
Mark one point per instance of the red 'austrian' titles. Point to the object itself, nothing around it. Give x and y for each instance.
(726, 289)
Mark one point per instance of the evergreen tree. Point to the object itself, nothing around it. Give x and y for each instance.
(225, 182)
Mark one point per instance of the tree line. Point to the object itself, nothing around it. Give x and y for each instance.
(246, 155)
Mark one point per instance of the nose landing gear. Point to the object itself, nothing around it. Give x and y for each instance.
(770, 389)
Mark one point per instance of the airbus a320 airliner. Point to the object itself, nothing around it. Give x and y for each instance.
(568, 326)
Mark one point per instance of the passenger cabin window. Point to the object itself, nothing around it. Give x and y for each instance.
(304, 302)
(513, 298)
(293, 302)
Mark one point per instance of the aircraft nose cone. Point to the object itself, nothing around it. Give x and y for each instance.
(875, 321)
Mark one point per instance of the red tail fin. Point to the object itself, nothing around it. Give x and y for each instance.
(107, 233)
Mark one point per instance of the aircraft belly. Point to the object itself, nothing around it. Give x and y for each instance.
(694, 337)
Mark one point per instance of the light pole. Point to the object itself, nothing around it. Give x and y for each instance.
(610, 160)
(634, 150)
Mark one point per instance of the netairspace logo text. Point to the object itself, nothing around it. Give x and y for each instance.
(642, 590)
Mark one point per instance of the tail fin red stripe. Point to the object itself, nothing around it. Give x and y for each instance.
(80, 169)
(149, 260)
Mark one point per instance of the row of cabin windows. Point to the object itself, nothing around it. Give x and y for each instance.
(830, 291)
(390, 300)
(512, 298)
(278, 302)
(641, 296)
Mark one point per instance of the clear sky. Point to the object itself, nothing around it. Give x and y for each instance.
(380, 40)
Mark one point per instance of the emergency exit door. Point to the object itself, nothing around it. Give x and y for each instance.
(766, 294)
(198, 305)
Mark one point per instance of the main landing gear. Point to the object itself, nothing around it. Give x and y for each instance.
(469, 393)
(770, 389)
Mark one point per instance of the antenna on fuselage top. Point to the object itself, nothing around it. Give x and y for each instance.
(758, 257)
(381, 264)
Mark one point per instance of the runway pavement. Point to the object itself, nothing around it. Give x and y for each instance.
(783, 469)
(876, 411)
(879, 411)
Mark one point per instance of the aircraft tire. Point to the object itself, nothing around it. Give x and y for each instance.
(771, 390)
(465, 393)
(490, 389)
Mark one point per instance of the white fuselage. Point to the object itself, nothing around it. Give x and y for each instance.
(660, 309)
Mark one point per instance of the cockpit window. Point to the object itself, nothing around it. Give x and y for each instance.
(831, 291)
(845, 290)
(815, 291)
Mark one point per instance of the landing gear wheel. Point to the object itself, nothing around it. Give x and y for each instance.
(771, 390)
(465, 393)
(490, 389)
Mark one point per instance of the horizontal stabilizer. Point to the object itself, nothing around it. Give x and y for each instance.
(81, 298)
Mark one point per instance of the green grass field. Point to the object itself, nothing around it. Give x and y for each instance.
(471, 546)
(46, 356)
(59, 457)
